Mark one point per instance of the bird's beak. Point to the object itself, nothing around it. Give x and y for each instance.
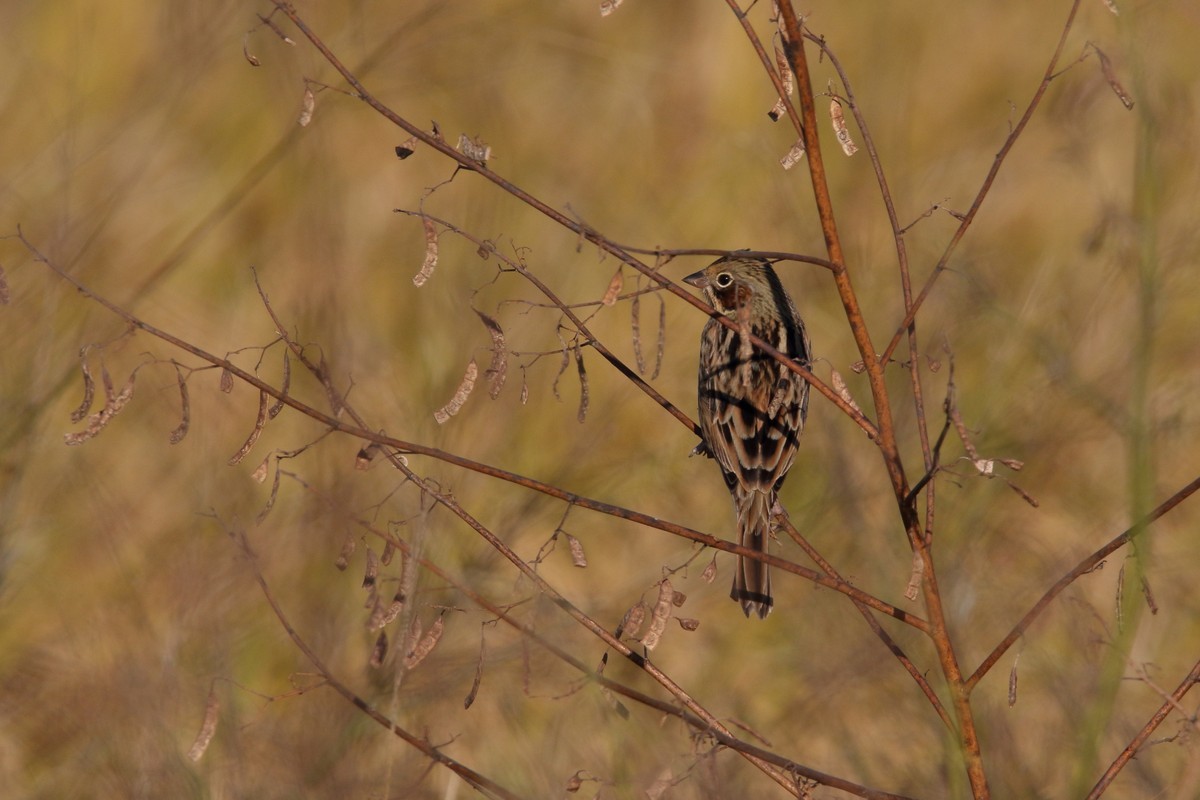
(697, 279)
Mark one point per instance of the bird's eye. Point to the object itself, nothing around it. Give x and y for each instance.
(724, 280)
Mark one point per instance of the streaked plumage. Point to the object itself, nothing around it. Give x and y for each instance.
(752, 408)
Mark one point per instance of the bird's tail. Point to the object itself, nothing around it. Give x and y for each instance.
(752, 581)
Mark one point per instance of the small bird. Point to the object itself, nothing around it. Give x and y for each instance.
(752, 407)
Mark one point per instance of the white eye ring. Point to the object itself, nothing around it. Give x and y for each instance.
(724, 280)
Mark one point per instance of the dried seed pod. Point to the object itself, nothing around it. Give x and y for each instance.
(343, 559)
(1110, 75)
(431, 253)
(186, 412)
(260, 472)
(308, 105)
(226, 380)
(843, 391)
(460, 395)
(840, 129)
(631, 623)
(250, 57)
(635, 324)
(474, 149)
(427, 643)
(283, 390)
(259, 423)
(710, 572)
(614, 289)
(89, 389)
(1012, 682)
(407, 147)
(98, 421)
(270, 499)
(474, 692)
(662, 613)
(379, 651)
(497, 371)
(371, 572)
(578, 557)
(687, 623)
(609, 6)
(212, 708)
(792, 157)
(583, 385)
(382, 615)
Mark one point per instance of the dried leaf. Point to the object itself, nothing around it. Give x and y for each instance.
(497, 371)
(89, 389)
(427, 643)
(583, 385)
(212, 708)
(431, 253)
(578, 557)
(840, 129)
(460, 395)
(792, 157)
(379, 651)
(614, 289)
(308, 105)
(710, 572)
(259, 423)
(226, 380)
(609, 6)
(186, 414)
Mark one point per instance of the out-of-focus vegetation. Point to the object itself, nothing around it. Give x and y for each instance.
(142, 152)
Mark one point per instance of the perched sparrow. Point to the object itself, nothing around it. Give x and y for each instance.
(752, 408)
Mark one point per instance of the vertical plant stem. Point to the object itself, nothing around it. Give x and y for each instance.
(959, 693)
(1144, 259)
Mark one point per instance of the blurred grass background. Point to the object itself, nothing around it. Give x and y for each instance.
(142, 152)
